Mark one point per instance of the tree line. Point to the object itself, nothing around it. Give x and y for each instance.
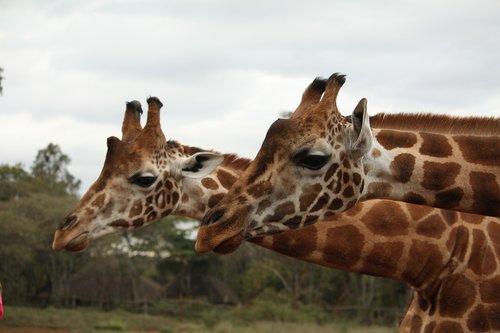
(34, 201)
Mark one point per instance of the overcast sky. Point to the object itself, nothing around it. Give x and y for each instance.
(226, 69)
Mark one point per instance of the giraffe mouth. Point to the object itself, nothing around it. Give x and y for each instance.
(78, 243)
(230, 245)
(210, 239)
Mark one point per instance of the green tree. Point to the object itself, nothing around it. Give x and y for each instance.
(28, 264)
(14, 181)
(50, 168)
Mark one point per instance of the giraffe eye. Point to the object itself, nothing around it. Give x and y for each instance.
(143, 180)
(312, 161)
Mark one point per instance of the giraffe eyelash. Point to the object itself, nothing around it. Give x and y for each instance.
(144, 180)
(312, 160)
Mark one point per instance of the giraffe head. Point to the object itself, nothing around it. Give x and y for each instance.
(141, 181)
(308, 168)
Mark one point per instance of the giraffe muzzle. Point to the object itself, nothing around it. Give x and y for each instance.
(74, 244)
(79, 243)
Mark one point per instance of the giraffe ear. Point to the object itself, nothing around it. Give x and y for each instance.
(360, 133)
(200, 164)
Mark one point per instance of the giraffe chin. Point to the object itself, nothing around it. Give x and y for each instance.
(210, 239)
(79, 243)
(229, 245)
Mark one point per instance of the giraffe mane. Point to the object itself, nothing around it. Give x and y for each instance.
(428, 122)
(230, 160)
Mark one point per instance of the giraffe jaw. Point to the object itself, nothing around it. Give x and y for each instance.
(229, 245)
(76, 244)
(209, 239)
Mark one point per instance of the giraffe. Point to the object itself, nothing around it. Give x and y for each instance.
(196, 195)
(317, 164)
(144, 178)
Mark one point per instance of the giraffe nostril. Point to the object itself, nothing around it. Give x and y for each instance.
(68, 222)
(213, 217)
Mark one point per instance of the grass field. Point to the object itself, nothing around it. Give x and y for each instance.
(86, 320)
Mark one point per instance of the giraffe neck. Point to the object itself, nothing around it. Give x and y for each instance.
(200, 194)
(444, 171)
(415, 244)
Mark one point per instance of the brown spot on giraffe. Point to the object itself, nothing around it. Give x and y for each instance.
(416, 324)
(384, 258)
(108, 209)
(378, 219)
(346, 246)
(336, 204)
(259, 189)
(297, 245)
(449, 199)
(346, 177)
(378, 190)
(415, 198)
(478, 320)
(421, 265)
(432, 226)
(209, 183)
(280, 212)
(99, 200)
(438, 176)
(493, 316)
(215, 199)
(225, 178)
(376, 153)
(479, 150)
(310, 219)
(356, 178)
(348, 192)
(159, 186)
(486, 193)
(429, 328)
(138, 222)
(449, 327)
(309, 194)
(390, 139)
(151, 216)
(471, 218)
(264, 204)
(354, 210)
(321, 203)
(119, 223)
(331, 171)
(402, 167)
(294, 222)
(175, 198)
(435, 145)
(457, 296)
(489, 289)
(483, 261)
